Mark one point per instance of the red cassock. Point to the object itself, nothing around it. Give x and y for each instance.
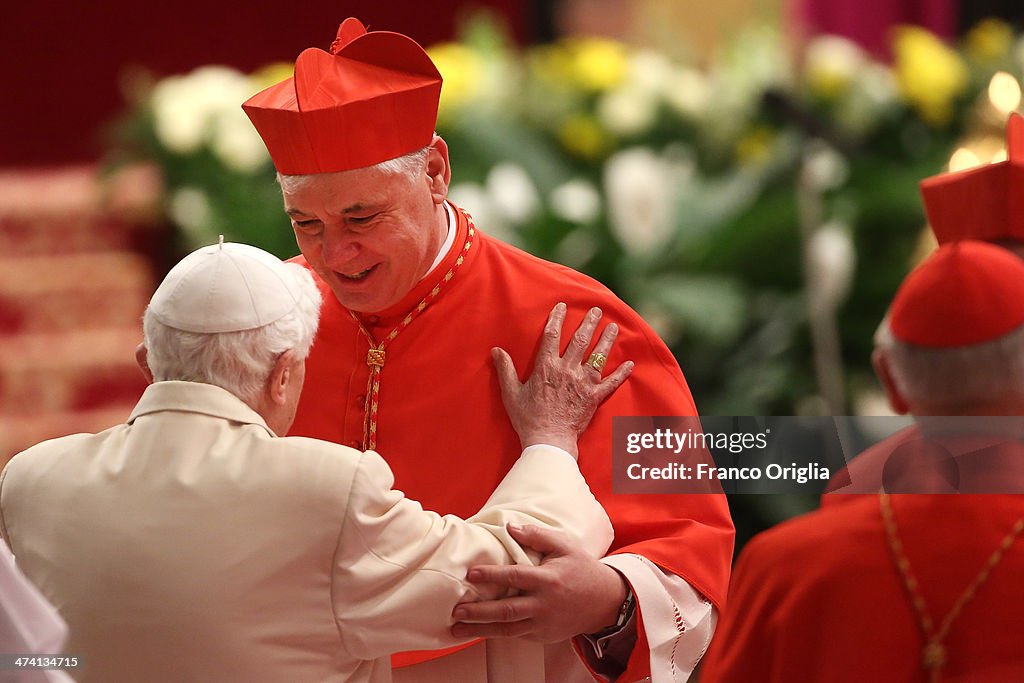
(819, 598)
(440, 421)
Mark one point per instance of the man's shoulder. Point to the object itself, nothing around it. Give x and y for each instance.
(521, 262)
(536, 285)
(57, 448)
(863, 473)
(545, 283)
(303, 455)
(315, 449)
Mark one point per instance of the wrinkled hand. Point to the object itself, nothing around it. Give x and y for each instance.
(557, 401)
(569, 593)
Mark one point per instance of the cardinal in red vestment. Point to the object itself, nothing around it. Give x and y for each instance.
(908, 587)
(416, 296)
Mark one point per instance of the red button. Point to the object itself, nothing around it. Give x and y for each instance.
(361, 400)
(373, 319)
(354, 444)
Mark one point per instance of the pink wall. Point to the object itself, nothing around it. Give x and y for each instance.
(867, 22)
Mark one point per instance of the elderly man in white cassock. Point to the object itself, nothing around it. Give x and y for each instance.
(193, 543)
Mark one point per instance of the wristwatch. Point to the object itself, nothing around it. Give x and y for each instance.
(600, 640)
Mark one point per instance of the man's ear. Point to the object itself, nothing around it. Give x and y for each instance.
(880, 361)
(280, 378)
(141, 355)
(439, 170)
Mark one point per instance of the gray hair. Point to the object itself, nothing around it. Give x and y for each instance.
(239, 362)
(958, 376)
(411, 164)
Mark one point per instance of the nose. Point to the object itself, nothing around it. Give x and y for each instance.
(340, 246)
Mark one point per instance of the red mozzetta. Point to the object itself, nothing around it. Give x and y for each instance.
(440, 420)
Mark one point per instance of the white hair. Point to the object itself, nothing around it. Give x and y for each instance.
(411, 165)
(957, 376)
(239, 362)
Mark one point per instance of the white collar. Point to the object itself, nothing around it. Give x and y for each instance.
(448, 240)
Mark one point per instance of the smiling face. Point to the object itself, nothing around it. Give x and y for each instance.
(371, 235)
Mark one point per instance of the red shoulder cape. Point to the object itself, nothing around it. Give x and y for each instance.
(441, 424)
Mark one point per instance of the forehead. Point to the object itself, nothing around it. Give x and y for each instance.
(342, 191)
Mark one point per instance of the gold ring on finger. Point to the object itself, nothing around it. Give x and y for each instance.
(597, 361)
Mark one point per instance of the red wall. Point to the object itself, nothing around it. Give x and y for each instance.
(61, 62)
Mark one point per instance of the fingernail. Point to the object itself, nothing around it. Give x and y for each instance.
(560, 306)
(514, 527)
(459, 613)
(595, 311)
(473, 575)
(613, 328)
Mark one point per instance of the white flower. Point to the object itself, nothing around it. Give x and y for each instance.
(688, 92)
(236, 142)
(873, 93)
(577, 201)
(474, 199)
(757, 60)
(831, 262)
(879, 83)
(649, 70)
(512, 192)
(629, 110)
(832, 63)
(179, 125)
(186, 108)
(639, 186)
(477, 201)
(824, 168)
(190, 208)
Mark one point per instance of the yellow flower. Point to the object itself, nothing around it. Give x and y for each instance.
(989, 40)
(583, 136)
(271, 74)
(462, 70)
(930, 74)
(551, 65)
(755, 146)
(831, 64)
(597, 64)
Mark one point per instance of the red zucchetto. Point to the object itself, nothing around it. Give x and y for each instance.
(965, 293)
(373, 97)
(984, 203)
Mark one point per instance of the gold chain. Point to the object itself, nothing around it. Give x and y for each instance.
(933, 654)
(377, 353)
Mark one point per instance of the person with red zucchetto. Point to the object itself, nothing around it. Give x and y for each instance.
(416, 295)
(904, 582)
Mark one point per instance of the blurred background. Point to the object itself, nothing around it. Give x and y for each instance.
(744, 172)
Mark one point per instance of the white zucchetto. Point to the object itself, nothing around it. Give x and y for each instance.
(226, 287)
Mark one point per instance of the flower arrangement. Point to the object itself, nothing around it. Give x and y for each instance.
(759, 211)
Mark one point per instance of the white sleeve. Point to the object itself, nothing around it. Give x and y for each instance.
(678, 621)
(400, 570)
